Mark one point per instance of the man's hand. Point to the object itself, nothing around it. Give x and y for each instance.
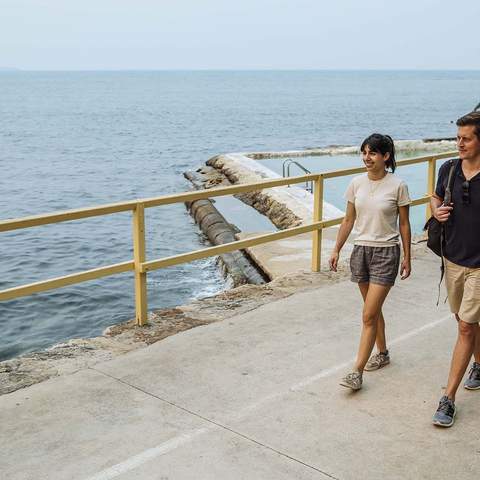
(405, 269)
(442, 213)
(333, 262)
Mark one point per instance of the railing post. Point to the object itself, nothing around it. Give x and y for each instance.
(141, 305)
(317, 217)
(430, 183)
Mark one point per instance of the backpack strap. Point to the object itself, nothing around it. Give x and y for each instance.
(446, 201)
(451, 179)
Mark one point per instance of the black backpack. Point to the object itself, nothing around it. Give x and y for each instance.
(435, 229)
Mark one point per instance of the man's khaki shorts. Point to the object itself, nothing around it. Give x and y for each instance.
(463, 288)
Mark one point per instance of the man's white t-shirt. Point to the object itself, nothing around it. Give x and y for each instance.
(376, 205)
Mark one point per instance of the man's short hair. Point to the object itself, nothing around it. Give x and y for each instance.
(472, 118)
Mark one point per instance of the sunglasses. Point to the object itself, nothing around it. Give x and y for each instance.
(466, 192)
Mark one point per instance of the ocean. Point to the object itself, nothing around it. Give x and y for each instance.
(78, 139)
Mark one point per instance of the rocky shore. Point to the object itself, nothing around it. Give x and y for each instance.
(78, 354)
(284, 208)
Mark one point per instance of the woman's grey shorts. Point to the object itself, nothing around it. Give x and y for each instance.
(375, 264)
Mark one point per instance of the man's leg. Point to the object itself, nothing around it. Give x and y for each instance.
(470, 312)
(445, 414)
(463, 298)
(473, 380)
(476, 351)
(464, 347)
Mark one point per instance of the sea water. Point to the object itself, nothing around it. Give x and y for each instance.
(79, 139)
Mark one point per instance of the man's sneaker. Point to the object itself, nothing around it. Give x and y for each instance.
(473, 380)
(352, 380)
(377, 361)
(445, 414)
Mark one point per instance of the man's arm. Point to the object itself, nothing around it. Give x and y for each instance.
(440, 211)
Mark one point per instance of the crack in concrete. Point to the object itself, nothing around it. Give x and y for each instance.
(217, 424)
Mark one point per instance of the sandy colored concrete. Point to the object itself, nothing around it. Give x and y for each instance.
(286, 206)
(257, 397)
(291, 255)
(434, 145)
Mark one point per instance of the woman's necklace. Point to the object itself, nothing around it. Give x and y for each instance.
(374, 184)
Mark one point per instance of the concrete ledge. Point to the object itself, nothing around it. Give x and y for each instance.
(292, 255)
(257, 396)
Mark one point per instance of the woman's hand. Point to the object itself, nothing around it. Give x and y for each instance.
(333, 262)
(405, 269)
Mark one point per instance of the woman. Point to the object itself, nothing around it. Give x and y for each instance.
(378, 206)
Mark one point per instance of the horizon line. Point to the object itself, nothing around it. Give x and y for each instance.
(16, 70)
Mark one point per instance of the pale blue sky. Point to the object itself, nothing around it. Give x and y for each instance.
(241, 34)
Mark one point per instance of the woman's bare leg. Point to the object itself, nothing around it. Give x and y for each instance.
(380, 339)
(372, 308)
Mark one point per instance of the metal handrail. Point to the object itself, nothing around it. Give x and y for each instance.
(288, 164)
(140, 266)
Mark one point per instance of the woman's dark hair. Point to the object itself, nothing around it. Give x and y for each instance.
(381, 144)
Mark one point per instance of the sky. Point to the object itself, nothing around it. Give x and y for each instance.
(239, 34)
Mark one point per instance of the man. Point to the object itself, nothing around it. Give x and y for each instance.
(462, 260)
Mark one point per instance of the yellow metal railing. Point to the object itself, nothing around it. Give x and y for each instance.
(140, 266)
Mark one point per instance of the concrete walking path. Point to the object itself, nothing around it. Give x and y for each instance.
(257, 397)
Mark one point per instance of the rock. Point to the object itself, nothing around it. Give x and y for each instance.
(77, 354)
(219, 231)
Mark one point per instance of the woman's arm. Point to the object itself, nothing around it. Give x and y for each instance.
(342, 235)
(406, 235)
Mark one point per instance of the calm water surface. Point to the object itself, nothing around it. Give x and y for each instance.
(71, 140)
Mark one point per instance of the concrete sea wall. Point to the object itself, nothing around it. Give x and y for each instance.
(285, 207)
